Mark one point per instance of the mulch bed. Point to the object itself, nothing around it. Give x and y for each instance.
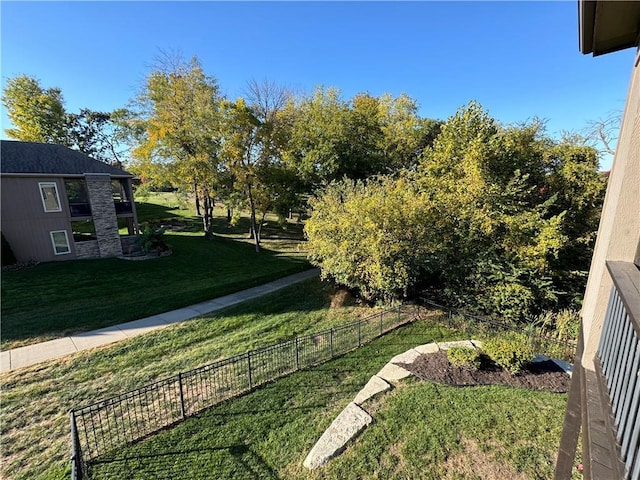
(435, 367)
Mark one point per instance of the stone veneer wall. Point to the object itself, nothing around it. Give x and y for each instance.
(104, 214)
(88, 249)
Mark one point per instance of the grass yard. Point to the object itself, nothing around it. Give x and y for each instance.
(34, 428)
(57, 299)
(420, 430)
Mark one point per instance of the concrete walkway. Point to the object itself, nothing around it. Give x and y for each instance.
(60, 347)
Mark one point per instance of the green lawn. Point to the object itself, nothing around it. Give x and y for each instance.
(420, 430)
(34, 421)
(61, 298)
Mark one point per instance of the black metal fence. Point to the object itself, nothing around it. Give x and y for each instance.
(117, 421)
(476, 325)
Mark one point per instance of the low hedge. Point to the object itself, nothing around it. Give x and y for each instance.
(509, 350)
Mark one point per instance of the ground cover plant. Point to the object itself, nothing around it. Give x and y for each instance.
(81, 295)
(35, 400)
(467, 357)
(420, 430)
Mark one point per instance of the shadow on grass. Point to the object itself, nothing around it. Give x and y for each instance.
(153, 211)
(237, 461)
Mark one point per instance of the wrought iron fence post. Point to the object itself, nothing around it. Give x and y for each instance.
(297, 355)
(76, 452)
(181, 396)
(249, 369)
(359, 333)
(398, 314)
(331, 341)
(380, 323)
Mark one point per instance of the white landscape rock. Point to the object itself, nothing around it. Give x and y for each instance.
(351, 421)
(392, 373)
(460, 343)
(428, 348)
(374, 386)
(407, 357)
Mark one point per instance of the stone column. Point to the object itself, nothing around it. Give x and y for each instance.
(104, 214)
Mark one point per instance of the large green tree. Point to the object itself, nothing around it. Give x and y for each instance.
(100, 135)
(252, 151)
(331, 138)
(37, 114)
(177, 122)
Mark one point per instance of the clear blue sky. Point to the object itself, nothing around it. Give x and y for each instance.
(518, 59)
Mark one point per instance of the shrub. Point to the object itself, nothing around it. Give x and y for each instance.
(464, 357)
(151, 238)
(510, 350)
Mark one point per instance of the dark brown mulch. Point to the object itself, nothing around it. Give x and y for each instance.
(537, 376)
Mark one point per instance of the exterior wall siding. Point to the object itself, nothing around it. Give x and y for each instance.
(619, 232)
(26, 225)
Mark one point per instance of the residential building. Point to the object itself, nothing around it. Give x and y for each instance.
(60, 204)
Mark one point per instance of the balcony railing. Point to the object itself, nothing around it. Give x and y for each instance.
(80, 209)
(604, 402)
(618, 364)
(123, 207)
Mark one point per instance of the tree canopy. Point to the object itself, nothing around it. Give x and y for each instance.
(496, 216)
(39, 115)
(501, 217)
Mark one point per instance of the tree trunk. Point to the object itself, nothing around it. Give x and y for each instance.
(228, 216)
(252, 207)
(264, 214)
(195, 193)
(207, 217)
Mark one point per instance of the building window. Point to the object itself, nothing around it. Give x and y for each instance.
(50, 198)
(78, 197)
(60, 242)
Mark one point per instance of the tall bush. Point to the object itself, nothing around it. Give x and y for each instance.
(491, 213)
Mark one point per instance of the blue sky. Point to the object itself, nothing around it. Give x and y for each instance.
(518, 59)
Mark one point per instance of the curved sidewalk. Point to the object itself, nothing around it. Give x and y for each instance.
(60, 347)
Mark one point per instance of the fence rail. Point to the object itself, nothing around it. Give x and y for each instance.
(477, 325)
(106, 425)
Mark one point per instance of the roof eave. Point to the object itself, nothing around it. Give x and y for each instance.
(608, 26)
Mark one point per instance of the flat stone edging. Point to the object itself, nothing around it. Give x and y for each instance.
(354, 418)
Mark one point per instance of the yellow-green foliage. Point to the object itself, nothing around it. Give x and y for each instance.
(464, 357)
(509, 350)
(369, 236)
(486, 213)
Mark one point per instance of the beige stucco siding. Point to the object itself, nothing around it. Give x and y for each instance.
(619, 231)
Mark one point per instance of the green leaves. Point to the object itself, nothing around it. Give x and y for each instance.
(37, 113)
(490, 214)
(367, 236)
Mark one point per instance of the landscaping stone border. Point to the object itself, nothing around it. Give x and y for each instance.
(354, 418)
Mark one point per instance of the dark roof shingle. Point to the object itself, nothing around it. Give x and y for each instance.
(50, 159)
